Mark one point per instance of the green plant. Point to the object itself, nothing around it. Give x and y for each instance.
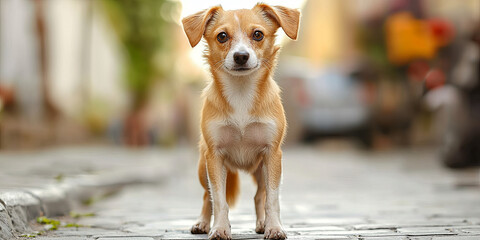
(143, 27)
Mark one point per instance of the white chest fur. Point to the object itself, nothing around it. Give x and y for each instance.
(240, 137)
(240, 94)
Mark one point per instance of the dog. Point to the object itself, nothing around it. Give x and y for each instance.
(242, 121)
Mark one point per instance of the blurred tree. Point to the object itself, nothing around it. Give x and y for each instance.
(49, 107)
(143, 28)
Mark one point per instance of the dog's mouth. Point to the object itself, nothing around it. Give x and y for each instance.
(242, 69)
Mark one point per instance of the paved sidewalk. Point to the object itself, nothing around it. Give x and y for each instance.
(53, 182)
(326, 194)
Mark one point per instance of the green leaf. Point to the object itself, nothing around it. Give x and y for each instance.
(79, 215)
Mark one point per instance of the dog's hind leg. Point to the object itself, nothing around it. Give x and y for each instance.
(272, 172)
(203, 224)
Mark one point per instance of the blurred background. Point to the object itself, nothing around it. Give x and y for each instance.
(367, 74)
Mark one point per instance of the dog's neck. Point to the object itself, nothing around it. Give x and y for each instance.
(240, 83)
(239, 92)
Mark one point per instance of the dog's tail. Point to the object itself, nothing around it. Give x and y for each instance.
(233, 188)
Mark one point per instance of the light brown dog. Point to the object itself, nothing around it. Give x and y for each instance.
(243, 122)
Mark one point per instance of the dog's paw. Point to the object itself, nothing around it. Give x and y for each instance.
(275, 233)
(200, 228)
(220, 233)
(260, 227)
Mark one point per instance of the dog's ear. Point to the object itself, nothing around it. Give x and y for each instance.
(195, 25)
(286, 18)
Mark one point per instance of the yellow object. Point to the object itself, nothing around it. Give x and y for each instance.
(408, 39)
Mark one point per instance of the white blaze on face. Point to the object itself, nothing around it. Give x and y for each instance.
(241, 43)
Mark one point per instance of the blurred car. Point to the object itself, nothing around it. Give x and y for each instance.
(326, 102)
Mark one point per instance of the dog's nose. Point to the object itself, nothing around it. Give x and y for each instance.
(241, 57)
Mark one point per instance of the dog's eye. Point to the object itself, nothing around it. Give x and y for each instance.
(257, 35)
(222, 37)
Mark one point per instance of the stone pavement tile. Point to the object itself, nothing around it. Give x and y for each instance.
(125, 238)
(56, 238)
(352, 233)
(5, 223)
(330, 237)
(53, 199)
(321, 221)
(425, 231)
(184, 236)
(101, 222)
(21, 207)
(416, 221)
(326, 237)
(389, 223)
(309, 238)
(464, 229)
(475, 221)
(371, 226)
(450, 220)
(374, 233)
(314, 228)
(126, 234)
(385, 238)
(456, 237)
(471, 230)
(161, 227)
(247, 236)
(84, 231)
(180, 235)
(420, 238)
(380, 232)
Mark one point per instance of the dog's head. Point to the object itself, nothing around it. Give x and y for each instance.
(241, 41)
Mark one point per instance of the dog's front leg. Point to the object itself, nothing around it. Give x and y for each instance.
(272, 170)
(217, 177)
(260, 199)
